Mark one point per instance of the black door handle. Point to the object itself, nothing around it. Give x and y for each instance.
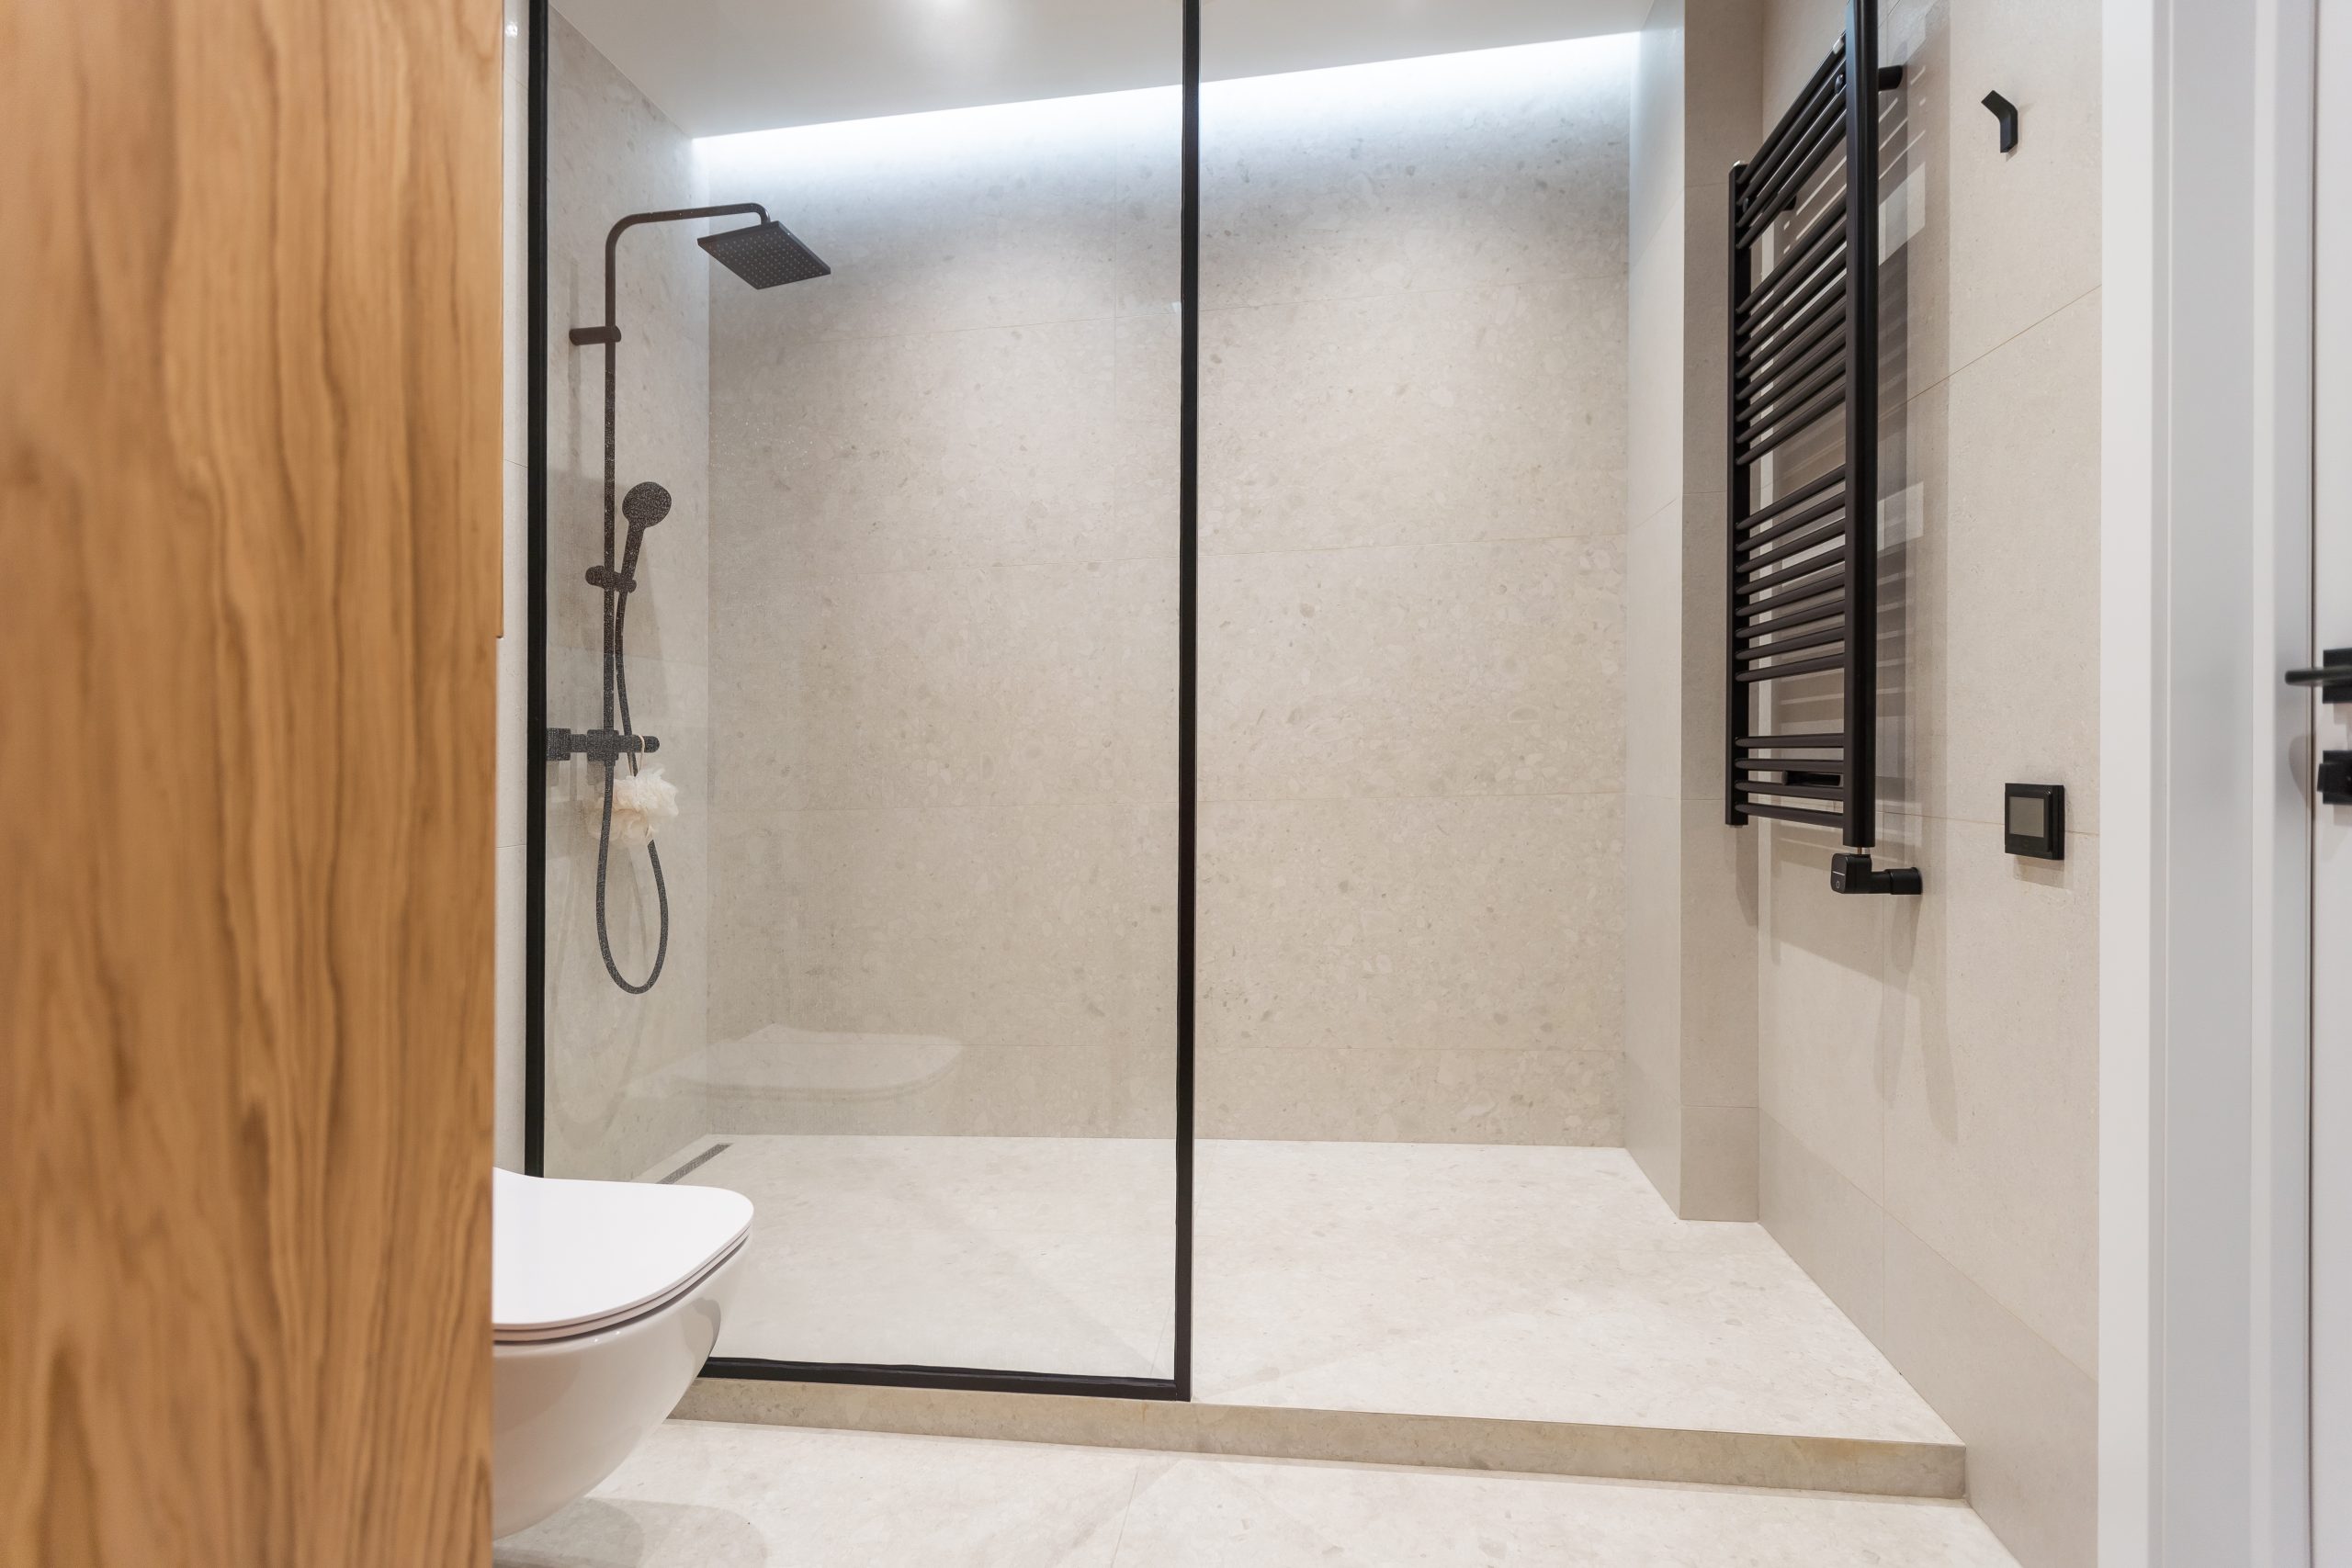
(2332, 678)
(2335, 779)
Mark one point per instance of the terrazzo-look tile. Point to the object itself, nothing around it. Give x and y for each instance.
(1436, 1096)
(1355, 1437)
(982, 218)
(1657, 149)
(1519, 1283)
(1723, 88)
(612, 1103)
(1465, 923)
(2017, 673)
(1654, 938)
(1986, 1159)
(1846, 986)
(991, 445)
(1021, 685)
(926, 466)
(2028, 1413)
(611, 153)
(1654, 373)
(1011, 926)
(705, 1495)
(943, 600)
(1830, 1227)
(1471, 171)
(1447, 415)
(1719, 888)
(697, 1495)
(1471, 668)
(1652, 681)
(780, 1080)
(1718, 1162)
(1043, 1254)
(1653, 1120)
(1997, 241)
(1269, 1514)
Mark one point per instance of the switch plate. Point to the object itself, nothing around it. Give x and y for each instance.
(2033, 820)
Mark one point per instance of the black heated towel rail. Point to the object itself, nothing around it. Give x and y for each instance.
(1803, 599)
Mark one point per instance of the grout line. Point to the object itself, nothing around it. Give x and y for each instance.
(1978, 1285)
(1158, 805)
(1605, 276)
(1618, 532)
(1135, 1484)
(1951, 371)
(1715, 799)
(818, 580)
(1887, 1216)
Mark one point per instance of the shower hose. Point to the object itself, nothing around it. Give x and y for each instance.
(616, 679)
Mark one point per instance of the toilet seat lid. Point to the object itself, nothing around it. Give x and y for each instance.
(572, 1255)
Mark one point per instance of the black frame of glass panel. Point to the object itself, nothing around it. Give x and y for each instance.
(535, 1077)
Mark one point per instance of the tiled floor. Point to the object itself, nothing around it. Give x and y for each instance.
(1033, 1253)
(1545, 1284)
(702, 1495)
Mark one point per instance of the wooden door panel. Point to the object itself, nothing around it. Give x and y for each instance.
(249, 495)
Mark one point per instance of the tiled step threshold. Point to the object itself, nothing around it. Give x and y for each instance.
(1781, 1460)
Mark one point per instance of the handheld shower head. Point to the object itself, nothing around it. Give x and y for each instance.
(645, 504)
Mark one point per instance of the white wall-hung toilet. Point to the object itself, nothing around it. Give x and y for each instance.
(606, 1298)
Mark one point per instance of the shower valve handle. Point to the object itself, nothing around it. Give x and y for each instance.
(597, 745)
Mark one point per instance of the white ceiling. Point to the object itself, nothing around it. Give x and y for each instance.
(718, 66)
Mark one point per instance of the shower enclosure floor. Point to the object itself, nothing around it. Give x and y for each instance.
(1521, 1284)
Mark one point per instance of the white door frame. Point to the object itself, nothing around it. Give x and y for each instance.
(2204, 969)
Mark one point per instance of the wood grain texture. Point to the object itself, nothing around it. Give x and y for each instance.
(249, 499)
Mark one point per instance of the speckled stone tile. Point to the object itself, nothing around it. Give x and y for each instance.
(1500, 1284)
(699, 1495)
(1201, 1512)
(1526, 1283)
(1032, 1254)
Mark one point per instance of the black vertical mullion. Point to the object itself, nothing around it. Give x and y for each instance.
(1187, 682)
(535, 722)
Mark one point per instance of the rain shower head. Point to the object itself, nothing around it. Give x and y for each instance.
(764, 254)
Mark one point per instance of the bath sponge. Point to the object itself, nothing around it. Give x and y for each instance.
(642, 802)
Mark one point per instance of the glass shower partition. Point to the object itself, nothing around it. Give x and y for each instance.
(867, 897)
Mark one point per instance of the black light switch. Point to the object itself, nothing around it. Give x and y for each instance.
(2033, 819)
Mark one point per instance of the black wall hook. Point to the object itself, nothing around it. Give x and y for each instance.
(2007, 113)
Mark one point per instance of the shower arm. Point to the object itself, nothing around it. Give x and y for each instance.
(610, 332)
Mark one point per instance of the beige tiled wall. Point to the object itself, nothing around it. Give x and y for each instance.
(1928, 1086)
(1690, 1117)
(1413, 574)
(621, 1090)
(943, 599)
(945, 621)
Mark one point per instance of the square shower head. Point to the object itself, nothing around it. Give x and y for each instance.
(764, 254)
